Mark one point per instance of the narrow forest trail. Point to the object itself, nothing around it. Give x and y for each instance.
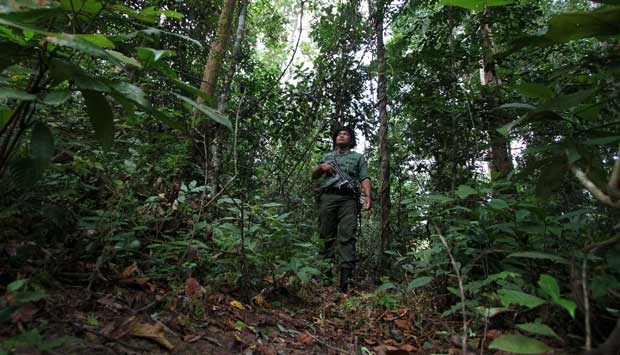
(139, 317)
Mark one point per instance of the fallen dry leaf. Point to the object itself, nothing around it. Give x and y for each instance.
(237, 304)
(129, 271)
(154, 332)
(230, 324)
(403, 324)
(306, 338)
(408, 347)
(192, 287)
(389, 317)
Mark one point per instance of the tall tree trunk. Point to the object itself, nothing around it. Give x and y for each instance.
(501, 158)
(209, 86)
(384, 152)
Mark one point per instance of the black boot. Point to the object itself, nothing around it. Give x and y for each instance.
(345, 279)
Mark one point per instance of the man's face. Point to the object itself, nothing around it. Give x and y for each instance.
(343, 138)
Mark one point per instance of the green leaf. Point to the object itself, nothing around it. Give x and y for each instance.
(384, 287)
(29, 296)
(12, 93)
(508, 297)
(571, 100)
(31, 337)
(440, 198)
(419, 282)
(132, 93)
(505, 129)
(568, 305)
(539, 255)
(41, 143)
(538, 328)
(498, 204)
(152, 12)
(571, 26)
(149, 56)
(57, 97)
(81, 45)
(519, 344)
(208, 111)
(602, 140)
(550, 285)
(518, 105)
(16, 285)
(87, 83)
(475, 5)
(101, 117)
(97, 39)
(539, 91)
(464, 191)
(125, 59)
(82, 6)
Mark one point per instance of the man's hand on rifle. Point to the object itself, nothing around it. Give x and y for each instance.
(327, 168)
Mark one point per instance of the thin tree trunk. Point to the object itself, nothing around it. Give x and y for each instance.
(501, 158)
(384, 152)
(209, 86)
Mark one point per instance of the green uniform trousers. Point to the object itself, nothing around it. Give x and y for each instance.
(338, 224)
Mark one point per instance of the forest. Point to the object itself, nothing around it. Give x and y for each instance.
(159, 164)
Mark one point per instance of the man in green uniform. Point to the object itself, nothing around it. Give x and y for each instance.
(345, 172)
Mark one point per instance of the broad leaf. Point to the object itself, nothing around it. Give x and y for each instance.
(149, 56)
(29, 296)
(132, 93)
(518, 105)
(550, 285)
(571, 100)
(97, 39)
(101, 117)
(12, 93)
(568, 305)
(81, 45)
(125, 59)
(498, 204)
(603, 140)
(208, 111)
(508, 297)
(41, 143)
(85, 82)
(58, 97)
(419, 282)
(16, 285)
(539, 91)
(519, 344)
(464, 191)
(571, 26)
(538, 328)
(539, 255)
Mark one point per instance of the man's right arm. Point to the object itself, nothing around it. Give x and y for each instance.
(321, 169)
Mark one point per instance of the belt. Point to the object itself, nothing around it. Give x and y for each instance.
(337, 191)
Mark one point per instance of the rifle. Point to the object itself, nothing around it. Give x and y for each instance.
(339, 179)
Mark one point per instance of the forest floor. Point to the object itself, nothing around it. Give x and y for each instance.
(135, 316)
